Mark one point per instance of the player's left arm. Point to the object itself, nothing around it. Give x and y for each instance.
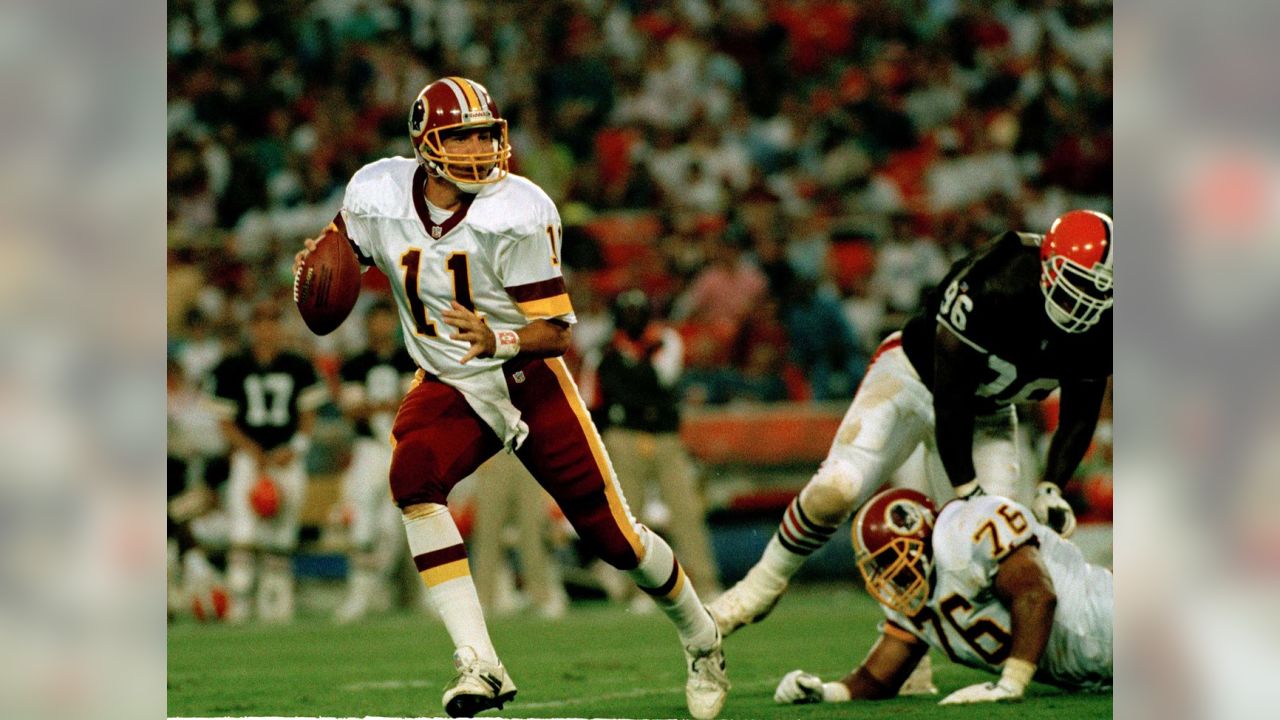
(956, 368)
(1023, 585)
(886, 667)
(1081, 402)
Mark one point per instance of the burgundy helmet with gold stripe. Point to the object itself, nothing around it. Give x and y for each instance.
(456, 103)
(891, 545)
(1076, 270)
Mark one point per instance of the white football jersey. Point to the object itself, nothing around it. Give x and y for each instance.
(499, 255)
(965, 620)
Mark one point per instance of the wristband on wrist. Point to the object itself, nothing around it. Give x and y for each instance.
(966, 489)
(1017, 674)
(506, 344)
(300, 444)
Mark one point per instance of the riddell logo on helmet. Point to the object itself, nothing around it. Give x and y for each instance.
(481, 115)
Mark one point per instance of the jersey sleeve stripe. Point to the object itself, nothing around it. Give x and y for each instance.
(539, 290)
(546, 307)
(312, 397)
(222, 408)
(341, 225)
(946, 324)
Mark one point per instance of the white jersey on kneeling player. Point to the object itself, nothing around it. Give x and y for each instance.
(966, 620)
(499, 255)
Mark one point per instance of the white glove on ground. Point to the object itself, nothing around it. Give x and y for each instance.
(798, 687)
(1051, 509)
(982, 692)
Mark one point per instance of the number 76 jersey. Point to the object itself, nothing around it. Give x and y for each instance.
(497, 255)
(965, 619)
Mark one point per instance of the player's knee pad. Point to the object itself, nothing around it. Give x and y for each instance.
(833, 492)
(412, 478)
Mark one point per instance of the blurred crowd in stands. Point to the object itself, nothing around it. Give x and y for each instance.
(782, 178)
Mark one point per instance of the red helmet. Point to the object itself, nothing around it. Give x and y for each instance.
(1076, 271)
(891, 547)
(458, 103)
(264, 497)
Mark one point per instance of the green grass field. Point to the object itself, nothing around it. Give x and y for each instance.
(600, 662)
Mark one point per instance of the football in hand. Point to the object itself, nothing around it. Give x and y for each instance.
(326, 285)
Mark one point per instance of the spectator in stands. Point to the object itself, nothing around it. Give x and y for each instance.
(723, 293)
(631, 387)
(823, 343)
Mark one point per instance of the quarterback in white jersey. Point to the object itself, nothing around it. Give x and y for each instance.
(983, 582)
(473, 255)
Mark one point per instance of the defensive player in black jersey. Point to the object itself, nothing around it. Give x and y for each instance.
(266, 398)
(1022, 315)
(373, 383)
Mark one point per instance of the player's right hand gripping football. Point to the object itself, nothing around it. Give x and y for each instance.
(799, 687)
(302, 254)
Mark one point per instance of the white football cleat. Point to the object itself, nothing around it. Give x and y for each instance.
(746, 602)
(478, 686)
(708, 686)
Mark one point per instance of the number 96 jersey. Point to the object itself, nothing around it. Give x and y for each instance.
(966, 620)
(991, 300)
(497, 255)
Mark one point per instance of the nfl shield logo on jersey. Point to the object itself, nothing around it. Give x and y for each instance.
(435, 232)
(518, 376)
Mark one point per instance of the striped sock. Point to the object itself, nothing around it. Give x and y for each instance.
(796, 539)
(660, 576)
(441, 559)
(800, 535)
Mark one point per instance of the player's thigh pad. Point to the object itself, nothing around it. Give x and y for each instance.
(565, 454)
(439, 440)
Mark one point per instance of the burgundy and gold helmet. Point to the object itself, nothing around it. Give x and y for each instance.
(454, 103)
(891, 547)
(1076, 270)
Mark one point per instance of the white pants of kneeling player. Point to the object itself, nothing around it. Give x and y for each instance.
(278, 534)
(376, 533)
(365, 490)
(272, 539)
(891, 415)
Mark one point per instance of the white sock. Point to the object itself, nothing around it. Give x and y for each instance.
(441, 559)
(275, 588)
(661, 577)
(240, 581)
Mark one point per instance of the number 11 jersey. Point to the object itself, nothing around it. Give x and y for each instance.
(498, 255)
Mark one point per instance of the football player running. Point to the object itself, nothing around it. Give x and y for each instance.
(983, 582)
(1020, 316)
(473, 255)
